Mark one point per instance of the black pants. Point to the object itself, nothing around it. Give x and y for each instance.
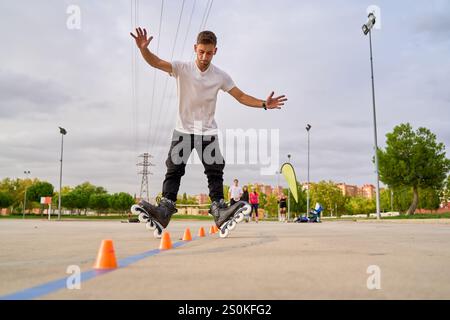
(208, 150)
(232, 201)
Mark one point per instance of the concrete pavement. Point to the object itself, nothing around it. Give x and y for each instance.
(269, 260)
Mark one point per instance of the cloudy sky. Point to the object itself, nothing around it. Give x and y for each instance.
(312, 51)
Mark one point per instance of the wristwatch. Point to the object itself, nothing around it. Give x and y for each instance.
(264, 105)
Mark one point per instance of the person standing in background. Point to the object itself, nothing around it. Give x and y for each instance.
(235, 192)
(254, 202)
(283, 206)
(245, 197)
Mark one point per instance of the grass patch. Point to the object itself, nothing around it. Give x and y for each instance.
(445, 215)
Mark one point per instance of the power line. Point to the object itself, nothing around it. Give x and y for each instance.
(167, 77)
(133, 77)
(136, 76)
(206, 14)
(152, 106)
(205, 17)
(185, 39)
(188, 29)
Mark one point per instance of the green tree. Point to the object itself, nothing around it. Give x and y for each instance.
(429, 199)
(446, 191)
(262, 200)
(82, 194)
(7, 185)
(184, 200)
(69, 201)
(414, 160)
(386, 203)
(402, 198)
(16, 188)
(191, 200)
(360, 205)
(6, 200)
(271, 206)
(9, 188)
(329, 196)
(39, 189)
(121, 201)
(297, 208)
(99, 202)
(226, 189)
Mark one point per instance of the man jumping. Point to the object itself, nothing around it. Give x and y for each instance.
(198, 83)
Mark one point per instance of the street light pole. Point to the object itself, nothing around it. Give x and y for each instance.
(63, 133)
(308, 127)
(289, 194)
(278, 193)
(392, 200)
(367, 29)
(27, 172)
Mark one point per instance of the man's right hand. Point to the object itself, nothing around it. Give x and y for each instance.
(141, 39)
(142, 42)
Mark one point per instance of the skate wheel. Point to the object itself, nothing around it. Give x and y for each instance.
(150, 225)
(231, 225)
(142, 217)
(157, 234)
(224, 234)
(135, 209)
(247, 210)
(240, 217)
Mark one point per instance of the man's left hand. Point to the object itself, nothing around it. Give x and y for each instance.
(275, 103)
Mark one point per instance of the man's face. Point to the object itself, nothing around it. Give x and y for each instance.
(205, 53)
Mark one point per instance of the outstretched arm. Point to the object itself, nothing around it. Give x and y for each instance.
(142, 43)
(270, 102)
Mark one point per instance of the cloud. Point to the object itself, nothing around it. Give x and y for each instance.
(23, 94)
(312, 51)
(434, 24)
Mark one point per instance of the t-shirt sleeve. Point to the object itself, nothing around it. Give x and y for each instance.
(227, 83)
(176, 68)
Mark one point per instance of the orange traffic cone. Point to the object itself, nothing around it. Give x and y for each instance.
(166, 243)
(201, 232)
(212, 230)
(187, 235)
(216, 229)
(106, 258)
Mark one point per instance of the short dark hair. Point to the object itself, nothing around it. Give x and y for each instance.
(207, 37)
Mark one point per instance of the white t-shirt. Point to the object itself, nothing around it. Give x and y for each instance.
(236, 192)
(197, 96)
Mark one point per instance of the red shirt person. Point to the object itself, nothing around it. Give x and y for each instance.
(254, 202)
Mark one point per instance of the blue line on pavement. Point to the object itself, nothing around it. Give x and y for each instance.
(53, 286)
